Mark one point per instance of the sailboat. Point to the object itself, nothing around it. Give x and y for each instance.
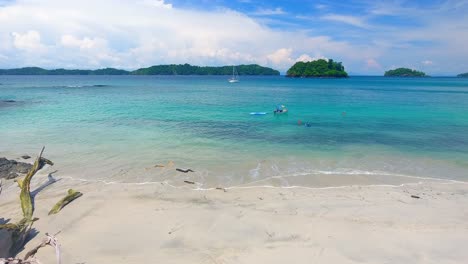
(235, 76)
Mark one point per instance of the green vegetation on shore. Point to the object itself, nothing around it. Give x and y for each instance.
(173, 69)
(41, 71)
(317, 68)
(404, 72)
(187, 69)
(463, 75)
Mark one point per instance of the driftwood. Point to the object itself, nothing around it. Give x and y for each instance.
(189, 182)
(30, 258)
(72, 195)
(221, 188)
(20, 231)
(185, 171)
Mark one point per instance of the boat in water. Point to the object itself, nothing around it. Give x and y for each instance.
(235, 76)
(280, 109)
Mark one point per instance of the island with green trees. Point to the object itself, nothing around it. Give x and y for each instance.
(317, 69)
(463, 75)
(187, 69)
(404, 72)
(41, 71)
(172, 69)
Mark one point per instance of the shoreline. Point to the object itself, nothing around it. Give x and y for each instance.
(144, 172)
(122, 223)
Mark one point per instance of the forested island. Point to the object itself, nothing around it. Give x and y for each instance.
(318, 68)
(463, 75)
(404, 72)
(187, 69)
(41, 71)
(172, 69)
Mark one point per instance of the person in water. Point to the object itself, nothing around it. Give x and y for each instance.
(280, 109)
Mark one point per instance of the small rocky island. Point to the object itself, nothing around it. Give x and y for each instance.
(404, 72)
(317, 69)
(463, 75)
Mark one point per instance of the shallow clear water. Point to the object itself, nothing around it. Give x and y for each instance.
(361, 129)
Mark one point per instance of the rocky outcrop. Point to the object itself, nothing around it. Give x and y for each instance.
(10, 169)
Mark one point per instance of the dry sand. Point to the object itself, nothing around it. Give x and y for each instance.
(157, 223)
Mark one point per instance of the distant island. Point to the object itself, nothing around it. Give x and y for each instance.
(463, 75)
(187, 69)
(172, 69)
(404, 72)
(41, 71)
(318, 68)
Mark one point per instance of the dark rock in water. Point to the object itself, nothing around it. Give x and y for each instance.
(26, 157)
(10, 169)
(7, 103)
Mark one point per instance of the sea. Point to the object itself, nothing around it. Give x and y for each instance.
(336, 132)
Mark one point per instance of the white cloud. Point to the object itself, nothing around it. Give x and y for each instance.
(306, 57)
(144, 33)
(280, 57)
(158, 3)
(131, 34)
(427, 62)
(29, 41)
(269, 12)
(84, 43)
(350, 20)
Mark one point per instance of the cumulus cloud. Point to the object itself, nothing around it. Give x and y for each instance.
(306, 57)
(148, 32)
(158, 3)
(280, 56)
(84, 43)
(132, 34)
(29, 41)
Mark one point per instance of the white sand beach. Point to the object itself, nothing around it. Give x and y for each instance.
(157, 223)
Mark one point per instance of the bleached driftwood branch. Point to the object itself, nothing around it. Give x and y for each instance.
(30, 258)
(20, 231)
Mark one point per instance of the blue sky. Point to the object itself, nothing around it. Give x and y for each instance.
(369, 37)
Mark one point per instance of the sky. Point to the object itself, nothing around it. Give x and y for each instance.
(369, 37)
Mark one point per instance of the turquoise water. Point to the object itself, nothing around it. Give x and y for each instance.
(361, 129)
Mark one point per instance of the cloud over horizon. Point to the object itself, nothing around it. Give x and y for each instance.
(132, 34)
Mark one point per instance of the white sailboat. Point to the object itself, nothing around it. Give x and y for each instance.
(235, 76)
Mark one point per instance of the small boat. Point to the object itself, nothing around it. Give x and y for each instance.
(235, 76)
(280, 109)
